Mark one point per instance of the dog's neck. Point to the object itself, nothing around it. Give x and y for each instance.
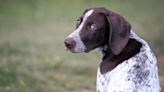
(105, 51)
(110, 61)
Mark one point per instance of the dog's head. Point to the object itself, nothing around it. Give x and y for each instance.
(97, 27)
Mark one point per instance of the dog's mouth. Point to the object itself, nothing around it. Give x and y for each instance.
(71, 50)
(87, 51)
(68, 49)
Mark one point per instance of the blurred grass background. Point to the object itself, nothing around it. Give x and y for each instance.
(32, 53)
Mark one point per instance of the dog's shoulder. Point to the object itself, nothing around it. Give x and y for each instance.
(137, 73)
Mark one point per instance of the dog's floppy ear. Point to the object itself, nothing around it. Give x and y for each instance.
(119, 31)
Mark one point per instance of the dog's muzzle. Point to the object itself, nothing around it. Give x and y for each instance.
(69, 43)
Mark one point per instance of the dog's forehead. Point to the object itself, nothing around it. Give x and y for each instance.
(96, 10)
(87, 13)
(92, 12)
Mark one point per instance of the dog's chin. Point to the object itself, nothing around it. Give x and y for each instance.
(73, 51)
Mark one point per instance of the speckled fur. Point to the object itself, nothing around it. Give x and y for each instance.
(137, 74)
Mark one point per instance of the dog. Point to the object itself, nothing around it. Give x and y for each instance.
(128, 64)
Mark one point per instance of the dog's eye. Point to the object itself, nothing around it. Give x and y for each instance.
(78, 22)
(93, 27)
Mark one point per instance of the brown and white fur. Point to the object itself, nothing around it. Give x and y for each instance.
(128, 64)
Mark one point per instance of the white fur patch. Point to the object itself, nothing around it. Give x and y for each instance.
(80, 46)
(101, 48)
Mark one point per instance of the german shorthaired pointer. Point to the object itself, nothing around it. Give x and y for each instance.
(128, 64)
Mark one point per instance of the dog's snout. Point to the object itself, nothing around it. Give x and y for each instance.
(69, 43)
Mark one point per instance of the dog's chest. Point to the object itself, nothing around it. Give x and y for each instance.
(102, 80)
(113, 79)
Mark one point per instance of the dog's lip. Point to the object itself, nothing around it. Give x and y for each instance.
(67, 49)
(87, 51)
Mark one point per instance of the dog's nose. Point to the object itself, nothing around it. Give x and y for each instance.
(69, 43)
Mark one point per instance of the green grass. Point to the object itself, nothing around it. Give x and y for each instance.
(32, 52)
